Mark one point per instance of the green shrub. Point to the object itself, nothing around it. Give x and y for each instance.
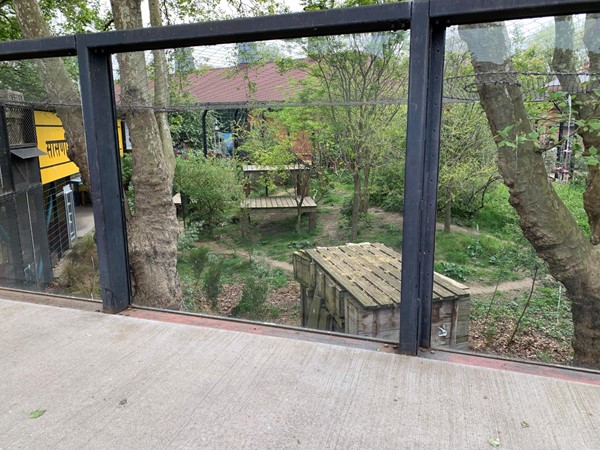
(212, 186)
(187, 239)
(79, 275)
(454, 271)
(254, 297)
(213, 280)
(387, 186)
(126, 168)
(198, 258)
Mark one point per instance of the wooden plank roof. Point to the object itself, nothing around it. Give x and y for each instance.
(371, 274)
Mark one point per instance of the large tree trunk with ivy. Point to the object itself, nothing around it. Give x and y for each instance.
(572, 258)
(58, 84)
(153, 228)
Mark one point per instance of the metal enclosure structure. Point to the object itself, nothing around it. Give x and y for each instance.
(427, 20)
(24, 254)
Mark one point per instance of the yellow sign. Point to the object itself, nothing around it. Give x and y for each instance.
(55, 164)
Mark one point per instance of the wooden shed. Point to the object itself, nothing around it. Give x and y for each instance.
(355, 289)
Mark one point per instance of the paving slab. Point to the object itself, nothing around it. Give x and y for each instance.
(122, 382)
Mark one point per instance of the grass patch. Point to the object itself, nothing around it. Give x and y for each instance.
(478, 257)
(79, 274)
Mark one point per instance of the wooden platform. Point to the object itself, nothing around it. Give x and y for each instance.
(278, 203)
(355, 288)
(252, 169)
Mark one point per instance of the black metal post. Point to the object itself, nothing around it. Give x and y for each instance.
(410, 303)
(431, 171)
(97, 96)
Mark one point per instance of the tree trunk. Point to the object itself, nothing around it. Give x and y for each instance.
(153, 229)
(448, 209)
(355, 205)
(364, 199)
(544, 219)
(161, 91)
(58, 84)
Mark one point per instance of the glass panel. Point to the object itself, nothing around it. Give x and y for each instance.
(40, 252)
(290, 130)
(518, 189)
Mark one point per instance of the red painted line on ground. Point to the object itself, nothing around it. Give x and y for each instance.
(310, 336)
(252, 328)
(515, 366)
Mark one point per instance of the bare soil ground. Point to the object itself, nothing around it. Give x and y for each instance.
(284, 303)
(494, 338)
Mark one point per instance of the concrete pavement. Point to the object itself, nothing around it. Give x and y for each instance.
(121, 382)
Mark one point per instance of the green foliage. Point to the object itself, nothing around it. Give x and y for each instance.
(455, 271)
(126, 168)
(212, 186)
(254, 297)
(186, 129)
(198, 259)
(22, 76)
(268, 141)
(467, 158)
(213, 279)
(387, 189)
(572, 196)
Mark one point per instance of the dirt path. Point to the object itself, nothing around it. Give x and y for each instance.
(223, 250)
(519, 285)
(397, 219)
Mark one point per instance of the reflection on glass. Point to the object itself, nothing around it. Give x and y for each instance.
(280, 147)
(525, 247)
(45, 238)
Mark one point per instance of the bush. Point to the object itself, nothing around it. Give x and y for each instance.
(187, 239)
(455, 271)
(198, 258)
(126, 168)
(254, 297)
(387, 186)
(212, 186)
(79, 275)
(213, 280)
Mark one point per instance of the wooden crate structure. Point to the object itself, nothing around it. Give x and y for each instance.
(355, 289)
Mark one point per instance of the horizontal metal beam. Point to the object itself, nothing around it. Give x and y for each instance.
(457, 12)
(38, 48)
(363, 19)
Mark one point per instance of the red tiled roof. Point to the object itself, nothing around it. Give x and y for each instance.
(248, 83)
(262, 83)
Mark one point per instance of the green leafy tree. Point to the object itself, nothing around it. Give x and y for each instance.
(359, 76)
(467, 158)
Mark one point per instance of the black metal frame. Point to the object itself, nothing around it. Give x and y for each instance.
(427, 19)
